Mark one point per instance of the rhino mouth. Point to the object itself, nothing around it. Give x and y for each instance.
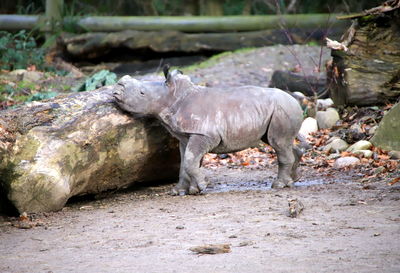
(118, 91)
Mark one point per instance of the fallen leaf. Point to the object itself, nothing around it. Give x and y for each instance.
(394, 181)
(211, 249)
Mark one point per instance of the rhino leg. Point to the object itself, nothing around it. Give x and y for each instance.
(197, 146)
(183, 184)
(297, 156)
(280, 135)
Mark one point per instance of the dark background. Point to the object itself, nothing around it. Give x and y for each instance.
(189, 7)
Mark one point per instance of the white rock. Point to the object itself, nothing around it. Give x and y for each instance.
(328, 118)
(333, 156)
(336, 145)
(32, 76)
(308, 126)
(394, 154)
(372, 130)
(299, 94)
(365, 153)
(346, 161)
(322, 104)
(360, 145)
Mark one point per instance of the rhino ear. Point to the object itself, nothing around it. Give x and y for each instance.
(167, 75)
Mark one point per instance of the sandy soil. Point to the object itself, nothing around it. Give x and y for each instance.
(346, 226)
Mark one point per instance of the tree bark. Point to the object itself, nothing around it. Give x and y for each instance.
(79, 144)
(211, 7)
(368, 73)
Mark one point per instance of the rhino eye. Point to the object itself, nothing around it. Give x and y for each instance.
(141, 92)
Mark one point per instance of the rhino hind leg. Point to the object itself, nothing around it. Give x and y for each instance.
(280, 135)
(297, 156)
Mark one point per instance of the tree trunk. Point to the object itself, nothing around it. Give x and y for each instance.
(368, 73)
(211, 7)
(247, 7)
(192, 7)
(79, 144)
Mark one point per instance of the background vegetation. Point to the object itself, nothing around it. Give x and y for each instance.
(190, 7)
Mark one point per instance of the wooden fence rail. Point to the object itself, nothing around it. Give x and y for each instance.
(178, 23)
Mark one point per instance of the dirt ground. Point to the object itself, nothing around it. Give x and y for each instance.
(346, 225)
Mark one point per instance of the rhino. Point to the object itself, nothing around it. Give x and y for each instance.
(216, 120)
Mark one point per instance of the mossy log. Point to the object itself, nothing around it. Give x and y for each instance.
(75, 145)
(368, 72)
(97, 44)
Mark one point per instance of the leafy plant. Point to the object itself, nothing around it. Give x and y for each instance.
(18, 51)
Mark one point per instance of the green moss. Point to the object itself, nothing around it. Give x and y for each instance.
(28, 151)
(7, 175)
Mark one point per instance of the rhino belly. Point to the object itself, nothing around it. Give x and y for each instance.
(236, 136)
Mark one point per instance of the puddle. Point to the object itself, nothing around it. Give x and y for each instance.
(257, 185)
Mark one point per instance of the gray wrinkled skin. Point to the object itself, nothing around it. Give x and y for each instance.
(218, 121)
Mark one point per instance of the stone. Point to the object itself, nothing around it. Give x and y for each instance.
(360, 145)
(32, 76)
(364, 153)
(372, 130)
(22, 75)
(308, 126)
(323, 104)
(336, 145)
(79, 144)
(333, 156)
(346, 161)
(387, 136)
(394, 154)
(327, 119)
(379, 170)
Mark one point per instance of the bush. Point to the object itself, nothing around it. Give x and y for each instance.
(18, 51)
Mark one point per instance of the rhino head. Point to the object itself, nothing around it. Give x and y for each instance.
(148, 98)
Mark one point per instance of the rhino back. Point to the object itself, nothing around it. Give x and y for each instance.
(239, 115)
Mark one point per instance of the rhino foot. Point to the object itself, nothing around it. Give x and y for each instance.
(175, 191)
(280, 184)
(194, 190)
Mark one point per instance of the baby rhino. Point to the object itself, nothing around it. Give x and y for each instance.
(216, 120)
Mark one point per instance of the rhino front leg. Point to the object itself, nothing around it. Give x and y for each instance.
(182, 188)
(197, 146)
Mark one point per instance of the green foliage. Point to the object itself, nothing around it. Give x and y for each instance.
(18, 51)
(42, 96)
(97, 80)
(22, 92)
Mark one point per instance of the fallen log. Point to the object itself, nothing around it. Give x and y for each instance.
(97, 44)
(365, 69)
(78, 144)
(309, 85)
